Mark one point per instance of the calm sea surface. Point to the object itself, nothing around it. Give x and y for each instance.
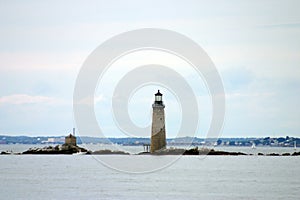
(187, 177)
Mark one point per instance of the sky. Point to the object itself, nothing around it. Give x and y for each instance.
(255, 46)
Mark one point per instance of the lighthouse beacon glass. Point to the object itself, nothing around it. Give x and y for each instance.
(158, 97)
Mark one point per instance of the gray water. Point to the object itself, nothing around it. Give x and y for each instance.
(190, 177)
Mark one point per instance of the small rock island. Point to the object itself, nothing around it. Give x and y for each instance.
(69, 147)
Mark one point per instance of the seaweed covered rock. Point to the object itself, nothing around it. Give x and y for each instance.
(171, 151)
(224, 153)
(5, 153)
(193, 151)
(273, 154)
(108, 152)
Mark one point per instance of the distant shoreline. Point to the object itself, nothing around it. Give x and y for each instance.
(228, 142)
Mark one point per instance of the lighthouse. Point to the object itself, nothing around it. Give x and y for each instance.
(158, 130)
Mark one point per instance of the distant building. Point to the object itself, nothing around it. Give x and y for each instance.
(51, 140)
(158, 131)
(70, 139)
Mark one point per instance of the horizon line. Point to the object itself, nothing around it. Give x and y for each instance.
(150, 137)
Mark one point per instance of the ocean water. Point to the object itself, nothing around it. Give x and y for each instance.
(188, 177)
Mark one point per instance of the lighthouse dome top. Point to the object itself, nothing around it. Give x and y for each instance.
(158, 93)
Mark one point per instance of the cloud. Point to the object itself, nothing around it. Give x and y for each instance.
(282, 25)
(236, 95)
(41, 61)
(90, 100)
(20, 99)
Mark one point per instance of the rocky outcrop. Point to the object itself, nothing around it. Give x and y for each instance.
(58, 149)
(296, 154)
(108, 152)
(225, 153)
(5, 153)
(169, 152)
(73, 149)
(195, 151)
(273, 154)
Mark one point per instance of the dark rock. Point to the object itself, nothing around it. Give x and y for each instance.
(144, 153)
(286, 154)
(193, 151)
(224, 153)
(172, 151)
(273, 154)
(5, 153)
(260, 154)
(296, 154)
(108, 152)
(88, 153)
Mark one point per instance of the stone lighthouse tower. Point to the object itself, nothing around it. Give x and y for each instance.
(158, 131)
